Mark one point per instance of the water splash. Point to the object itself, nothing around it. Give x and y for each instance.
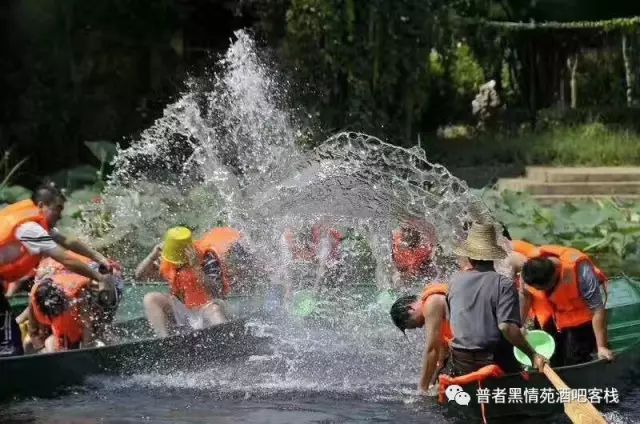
(226, 152)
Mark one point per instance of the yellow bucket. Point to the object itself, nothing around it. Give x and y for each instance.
(176, 241)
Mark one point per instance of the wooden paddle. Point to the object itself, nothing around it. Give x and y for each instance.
(578, 413)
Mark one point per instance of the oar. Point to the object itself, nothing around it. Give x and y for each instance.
(543, 343)
(578, 412)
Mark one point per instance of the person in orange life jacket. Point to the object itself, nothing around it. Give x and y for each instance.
(320, 250)
(428, 311)
(483, 309)
(321, 242)
(197, 275)
(411, 251)
(60, 314)
(102, 300)
(27, 234)
(563, 289)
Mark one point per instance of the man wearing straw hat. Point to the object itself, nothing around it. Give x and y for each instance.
(483, 308)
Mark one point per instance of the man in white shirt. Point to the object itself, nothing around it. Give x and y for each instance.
(28, 234)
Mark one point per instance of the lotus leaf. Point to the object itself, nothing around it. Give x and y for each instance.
(104, 151)
(77, 177)
(14, 193)
(603, 228)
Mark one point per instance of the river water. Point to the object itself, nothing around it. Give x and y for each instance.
(227, 153)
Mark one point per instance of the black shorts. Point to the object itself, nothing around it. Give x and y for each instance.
(466, 361)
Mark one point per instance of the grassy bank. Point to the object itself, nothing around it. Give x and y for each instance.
(592, 144)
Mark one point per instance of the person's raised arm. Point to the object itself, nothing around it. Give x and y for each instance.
(148, 269)
(72, 264)
(78, 246)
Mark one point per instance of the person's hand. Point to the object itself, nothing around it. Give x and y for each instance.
(109, 266)
(605, 353)
(539, 362)
(192, 256)
(432, 390)
(157, 249)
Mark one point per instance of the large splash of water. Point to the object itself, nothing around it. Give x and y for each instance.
(227, 152)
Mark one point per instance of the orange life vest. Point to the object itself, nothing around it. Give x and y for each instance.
(484, 373)
(184, 282)
(443, 289)
(565, 304)
(524, 248)
(318, 233)
(68, 280)
(11, 217)
(68, 327)
(409, 260)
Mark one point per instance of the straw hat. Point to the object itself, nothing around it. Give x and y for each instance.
(481, 244)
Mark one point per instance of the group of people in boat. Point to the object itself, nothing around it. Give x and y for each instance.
(74, 291)
(473, 321)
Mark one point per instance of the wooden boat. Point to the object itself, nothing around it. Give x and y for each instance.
(46, 374)
(139, 351)
(623, 308)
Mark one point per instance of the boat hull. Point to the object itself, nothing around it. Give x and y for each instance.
(620, 375)
(46, 374)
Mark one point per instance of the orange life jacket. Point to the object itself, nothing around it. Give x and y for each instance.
(524, 248)
(565, 304)
(443, 289)
(68, 327)
(318, 233)
(484, 373)
(409, 260)
(63, 277)
(184, 282)
(11, 217)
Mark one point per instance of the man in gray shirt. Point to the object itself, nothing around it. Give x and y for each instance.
(483, 309)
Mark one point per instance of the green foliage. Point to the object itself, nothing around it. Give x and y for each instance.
(600, 80)
(7, 169)
(436, 65)
(603, 25)
(466, 73)
(13, 193)
(75, 71)
(592, 144)
(368, 61)
(604, 229)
